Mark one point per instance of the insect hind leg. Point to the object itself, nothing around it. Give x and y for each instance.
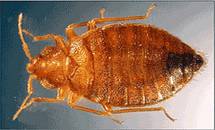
(143, 110)
(97, 112)
(73, 98)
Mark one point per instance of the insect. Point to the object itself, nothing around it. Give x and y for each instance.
(125, 65)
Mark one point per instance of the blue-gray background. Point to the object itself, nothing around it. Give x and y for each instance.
(190, 21)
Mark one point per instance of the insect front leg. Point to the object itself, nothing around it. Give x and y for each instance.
(37, 99)
(41, 99)
(61, 94)
(58, 39)
(30, 92)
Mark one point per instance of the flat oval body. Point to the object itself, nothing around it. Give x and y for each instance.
(131, 64)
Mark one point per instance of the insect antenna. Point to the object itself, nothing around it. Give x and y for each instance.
(24, 44)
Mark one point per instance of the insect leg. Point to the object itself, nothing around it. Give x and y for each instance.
(111, 19)
(62, 93)
(102, 12)
(37, 99)
(30, 92)
(60, 96)
(108, 109)
(143, 110)
(70, 33)
(58, 39)
(73, 98)
(40, 99)
(92, 23)
(97, 112)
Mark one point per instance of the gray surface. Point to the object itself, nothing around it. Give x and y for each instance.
(192, 22)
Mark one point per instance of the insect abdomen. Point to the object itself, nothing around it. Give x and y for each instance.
(129, 64)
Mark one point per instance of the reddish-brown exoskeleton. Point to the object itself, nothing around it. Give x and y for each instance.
(118, 65)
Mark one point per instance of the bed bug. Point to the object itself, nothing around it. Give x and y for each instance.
(125, 65)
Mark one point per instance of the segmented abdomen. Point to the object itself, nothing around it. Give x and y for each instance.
(129, 64)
